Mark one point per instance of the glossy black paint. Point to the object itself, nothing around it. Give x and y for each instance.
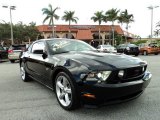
(44, 68)
(3, 54)
(129, 49)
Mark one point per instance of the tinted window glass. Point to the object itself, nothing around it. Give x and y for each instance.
(1, 48)
(98, 47)
(132, 45)
(38, 47)
(60, 46)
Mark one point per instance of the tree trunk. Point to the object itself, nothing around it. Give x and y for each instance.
(69, 31)
(100, 35)
(53, 33)
(127, 33)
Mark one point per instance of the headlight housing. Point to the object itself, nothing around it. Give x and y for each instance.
(127, 48)
(121, 73)
(95, 76)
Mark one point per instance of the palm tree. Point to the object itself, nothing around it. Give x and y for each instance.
(127, 18)
(69, 17)
(50, 15)
(33, 24)
(98, 16)
(112, 16)
(121, 21)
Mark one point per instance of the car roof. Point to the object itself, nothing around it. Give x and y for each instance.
(50, 39)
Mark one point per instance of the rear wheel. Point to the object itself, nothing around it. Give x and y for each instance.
(156, 53)
(66, 92)
(24, 75)
(137, 54)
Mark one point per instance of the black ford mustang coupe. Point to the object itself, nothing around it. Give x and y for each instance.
(78, 73)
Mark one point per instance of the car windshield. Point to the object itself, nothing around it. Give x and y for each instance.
(62, 46)
(132, 45)
(106, 46)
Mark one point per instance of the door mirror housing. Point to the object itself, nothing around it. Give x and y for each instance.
(44, 55)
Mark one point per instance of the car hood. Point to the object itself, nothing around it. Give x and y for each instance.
(96, 60)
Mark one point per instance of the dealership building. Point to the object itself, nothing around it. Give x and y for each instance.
(87, 33)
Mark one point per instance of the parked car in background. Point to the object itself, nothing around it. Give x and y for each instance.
(129, 49)
(14, 51)
(3, 53)
(78, 73)
(106, 48)
(149, 48)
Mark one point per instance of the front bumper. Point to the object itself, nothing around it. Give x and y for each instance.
(113, 93)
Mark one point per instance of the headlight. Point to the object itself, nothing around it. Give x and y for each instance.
(121, 73)
(127, 48)
(103, 75)
(95, 76)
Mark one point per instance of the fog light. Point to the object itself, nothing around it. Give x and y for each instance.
(121, 73)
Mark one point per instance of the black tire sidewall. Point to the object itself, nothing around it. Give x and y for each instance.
(26, 79)
(74, 102)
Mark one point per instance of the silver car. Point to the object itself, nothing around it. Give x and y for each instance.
(14, 52)
(106, 48)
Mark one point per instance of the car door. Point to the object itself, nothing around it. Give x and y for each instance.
(35, 62)
(3, 53)
(120, 48)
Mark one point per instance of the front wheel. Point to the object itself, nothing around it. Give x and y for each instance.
(24, 75)
(156, 53)
(66, 92)
(137, 54)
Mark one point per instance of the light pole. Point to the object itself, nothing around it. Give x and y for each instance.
(151, 8)
(11, 8)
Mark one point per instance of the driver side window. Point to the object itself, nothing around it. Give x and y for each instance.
(38, 48)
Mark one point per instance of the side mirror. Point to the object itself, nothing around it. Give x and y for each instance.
(44, 55)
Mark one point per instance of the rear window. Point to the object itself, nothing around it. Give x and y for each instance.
(18, 47)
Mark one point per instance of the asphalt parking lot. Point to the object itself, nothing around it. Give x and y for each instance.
(32, 101)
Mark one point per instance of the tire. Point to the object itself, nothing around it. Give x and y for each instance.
(24, 75)
(12, 61)
(156, 53)
(66, 92)
(145, 53)
(136, 54)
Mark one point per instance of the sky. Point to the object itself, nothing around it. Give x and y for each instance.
(31, 10)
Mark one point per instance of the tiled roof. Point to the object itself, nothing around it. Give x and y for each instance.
(75, 28)
(84, 35)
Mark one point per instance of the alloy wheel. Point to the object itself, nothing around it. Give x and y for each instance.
(23, 74)
(63, 91)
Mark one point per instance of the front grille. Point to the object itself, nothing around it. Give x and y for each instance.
(130, 74)
(133, 72)
(134, 49)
